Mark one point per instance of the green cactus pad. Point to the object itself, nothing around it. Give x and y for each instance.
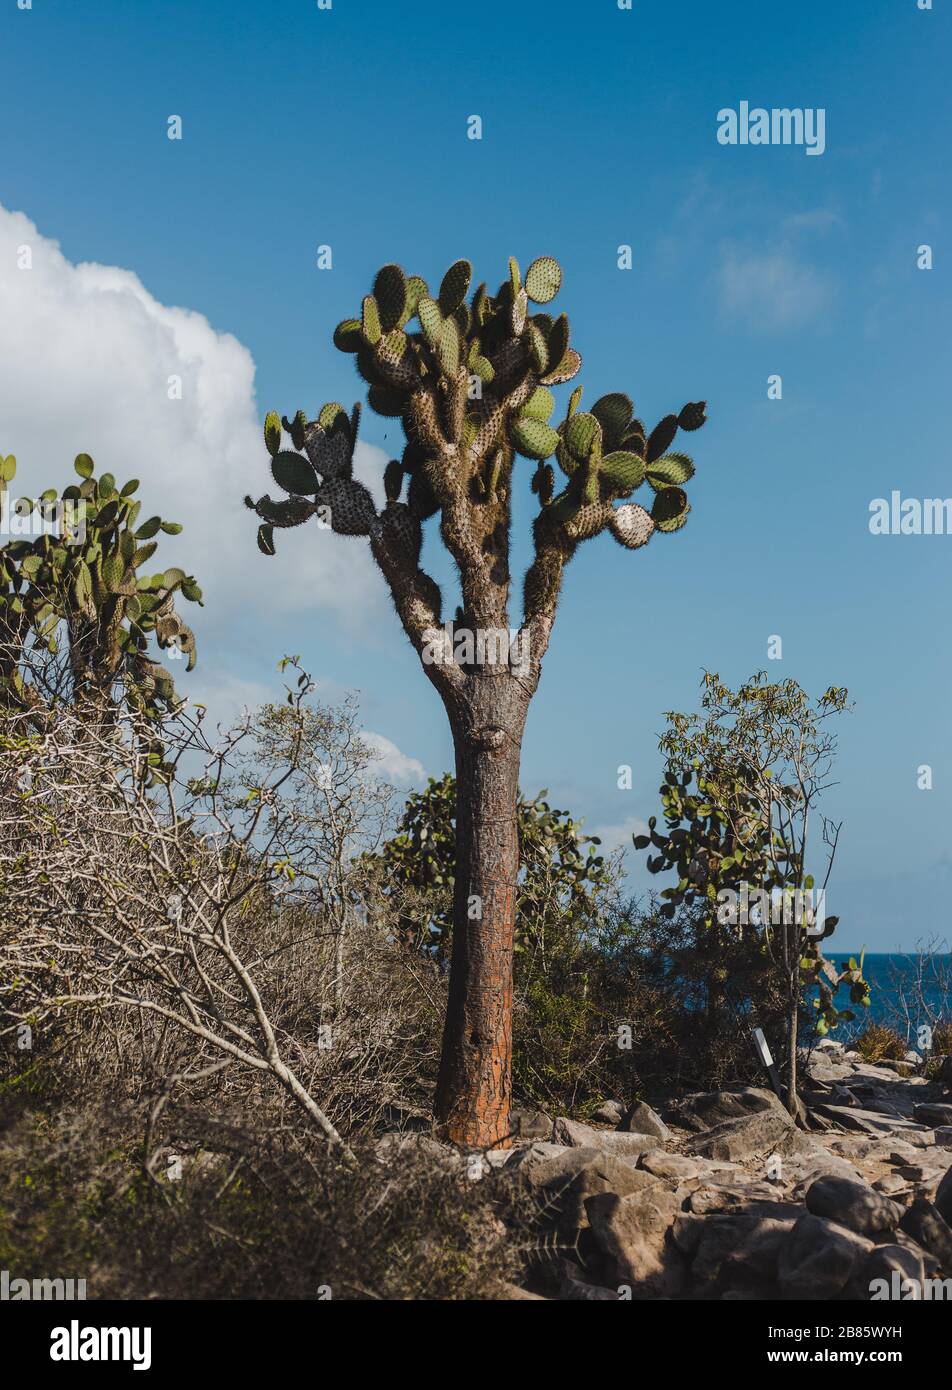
(543, 279)
(272, 436)
(266, 539)
(454, 286)
(538, 350)
(390, 292)
(370, 320)
(670, 509)
(568, 367)
(622, 472)
(540, 405)
(660, 437)
(431, 319)
(614, 411)
(416, 290)
(392, 480)
(333, 417)
(671, 470)
(448, 349)
(348, 335)
(533, 438)
(294, 473)
(387, 401)
(693, 415)
(582, 432)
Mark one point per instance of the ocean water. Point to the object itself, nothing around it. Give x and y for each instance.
(897, 996)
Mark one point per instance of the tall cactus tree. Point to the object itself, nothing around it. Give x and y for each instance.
(469, 378)
(80, 588)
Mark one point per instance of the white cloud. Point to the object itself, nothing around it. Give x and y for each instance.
(618, 835)
(86, 353)
(772, 289)
(392, 765)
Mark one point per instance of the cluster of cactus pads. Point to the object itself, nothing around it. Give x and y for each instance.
(86, 580)
(469, 376)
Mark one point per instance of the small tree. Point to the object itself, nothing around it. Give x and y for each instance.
(759, 759)
(72, 584)
(562, 871)
(470, 386)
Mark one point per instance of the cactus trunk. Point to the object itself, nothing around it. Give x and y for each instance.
(475, 1080)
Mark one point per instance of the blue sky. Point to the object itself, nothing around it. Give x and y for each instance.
(348, 127)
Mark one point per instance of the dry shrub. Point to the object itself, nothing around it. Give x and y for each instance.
(879, 1043)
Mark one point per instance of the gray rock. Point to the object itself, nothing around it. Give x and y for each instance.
(913, 1057)
(943, 1136)
(514, 1293)
(392, 1146)
(633, 1232)
(943, 1197)
(603, 1173)
(665, 1165)
(891, 1185)
(927, 1227)
(758, 1198)
(581, 1291)
(866, 1121)
(854, 1205)
(893, 1263)
(933, 1114)
(530, 1124)
(641, 1119)
(818, 1258)
(738, 1252)
(610, 1112)
(705, 1109)
(750, 1136)
(616, 1142)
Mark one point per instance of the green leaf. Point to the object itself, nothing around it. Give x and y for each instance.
(84, 465)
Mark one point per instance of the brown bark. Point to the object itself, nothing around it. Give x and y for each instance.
(474, 1088)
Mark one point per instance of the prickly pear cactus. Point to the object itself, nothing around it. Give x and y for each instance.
(83, 585)
(470, 376)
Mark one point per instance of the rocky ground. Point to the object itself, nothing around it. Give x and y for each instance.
(721, 1196)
